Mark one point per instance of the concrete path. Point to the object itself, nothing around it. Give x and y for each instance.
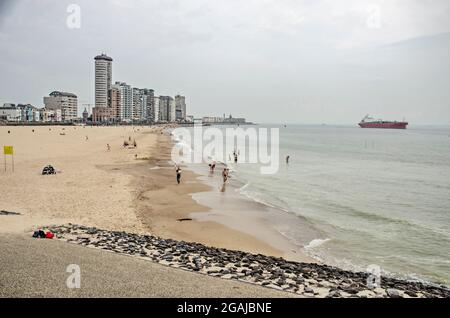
(37, 268)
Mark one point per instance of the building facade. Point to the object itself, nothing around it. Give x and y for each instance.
(20, 113)
(85, 115)
(212, 120)
(223, 120)
(125, 102)
(156, 116)
(143, 100)
(180, 108)
(10, 113)
(137, 104)
(148, 112)
(172, 110)
(103, 115)
(66, 102)
(116, 102)
(103, 79)
(28, 112)
(167, 112)
(51, 115)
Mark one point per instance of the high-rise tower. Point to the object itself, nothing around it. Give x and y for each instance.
(103, 78)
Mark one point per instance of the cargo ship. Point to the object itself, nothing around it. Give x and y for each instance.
(369, 122)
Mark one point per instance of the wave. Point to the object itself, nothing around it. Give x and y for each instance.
(243, 187)
(371, 216)
(315, 243)
(183, 144)
(255, 196)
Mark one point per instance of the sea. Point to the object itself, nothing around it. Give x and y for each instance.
(358, 198)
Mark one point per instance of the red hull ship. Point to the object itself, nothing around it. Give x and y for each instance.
(368, 122)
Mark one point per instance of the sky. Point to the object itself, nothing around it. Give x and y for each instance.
(271, 61)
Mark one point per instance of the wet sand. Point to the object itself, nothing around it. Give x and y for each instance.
(164, 207)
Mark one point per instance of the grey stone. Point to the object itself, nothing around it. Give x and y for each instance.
(308, 290)
(393, 293)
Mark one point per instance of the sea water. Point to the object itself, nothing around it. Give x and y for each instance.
(370, 196)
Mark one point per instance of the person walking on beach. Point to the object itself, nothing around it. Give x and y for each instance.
(178, 170)
(87, 138)
(108, 147)
(287, 159)
(134, 143)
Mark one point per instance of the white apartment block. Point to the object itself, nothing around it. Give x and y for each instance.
(172, 110)
(103, 78)
(10, 114)
(126, 101)
(156, 115)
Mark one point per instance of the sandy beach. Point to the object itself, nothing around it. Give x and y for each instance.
(126, 201)
(127, 189)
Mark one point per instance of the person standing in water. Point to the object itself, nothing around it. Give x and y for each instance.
(287, 159)
(225, 175)
(178, 170)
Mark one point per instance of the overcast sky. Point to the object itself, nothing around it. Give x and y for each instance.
(293, 61)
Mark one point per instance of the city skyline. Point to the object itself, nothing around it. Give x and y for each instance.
(318, 63)
(114, 103)
(121, 102)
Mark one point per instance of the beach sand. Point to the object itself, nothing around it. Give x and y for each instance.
(134, 190)
(113, 190)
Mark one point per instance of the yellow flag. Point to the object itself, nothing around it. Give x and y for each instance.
(8, 150)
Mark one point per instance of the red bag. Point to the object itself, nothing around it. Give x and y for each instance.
(49, 235)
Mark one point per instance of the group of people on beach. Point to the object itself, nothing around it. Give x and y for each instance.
(225, 171)
(235, 156)
(127, 143)
(212, 166)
